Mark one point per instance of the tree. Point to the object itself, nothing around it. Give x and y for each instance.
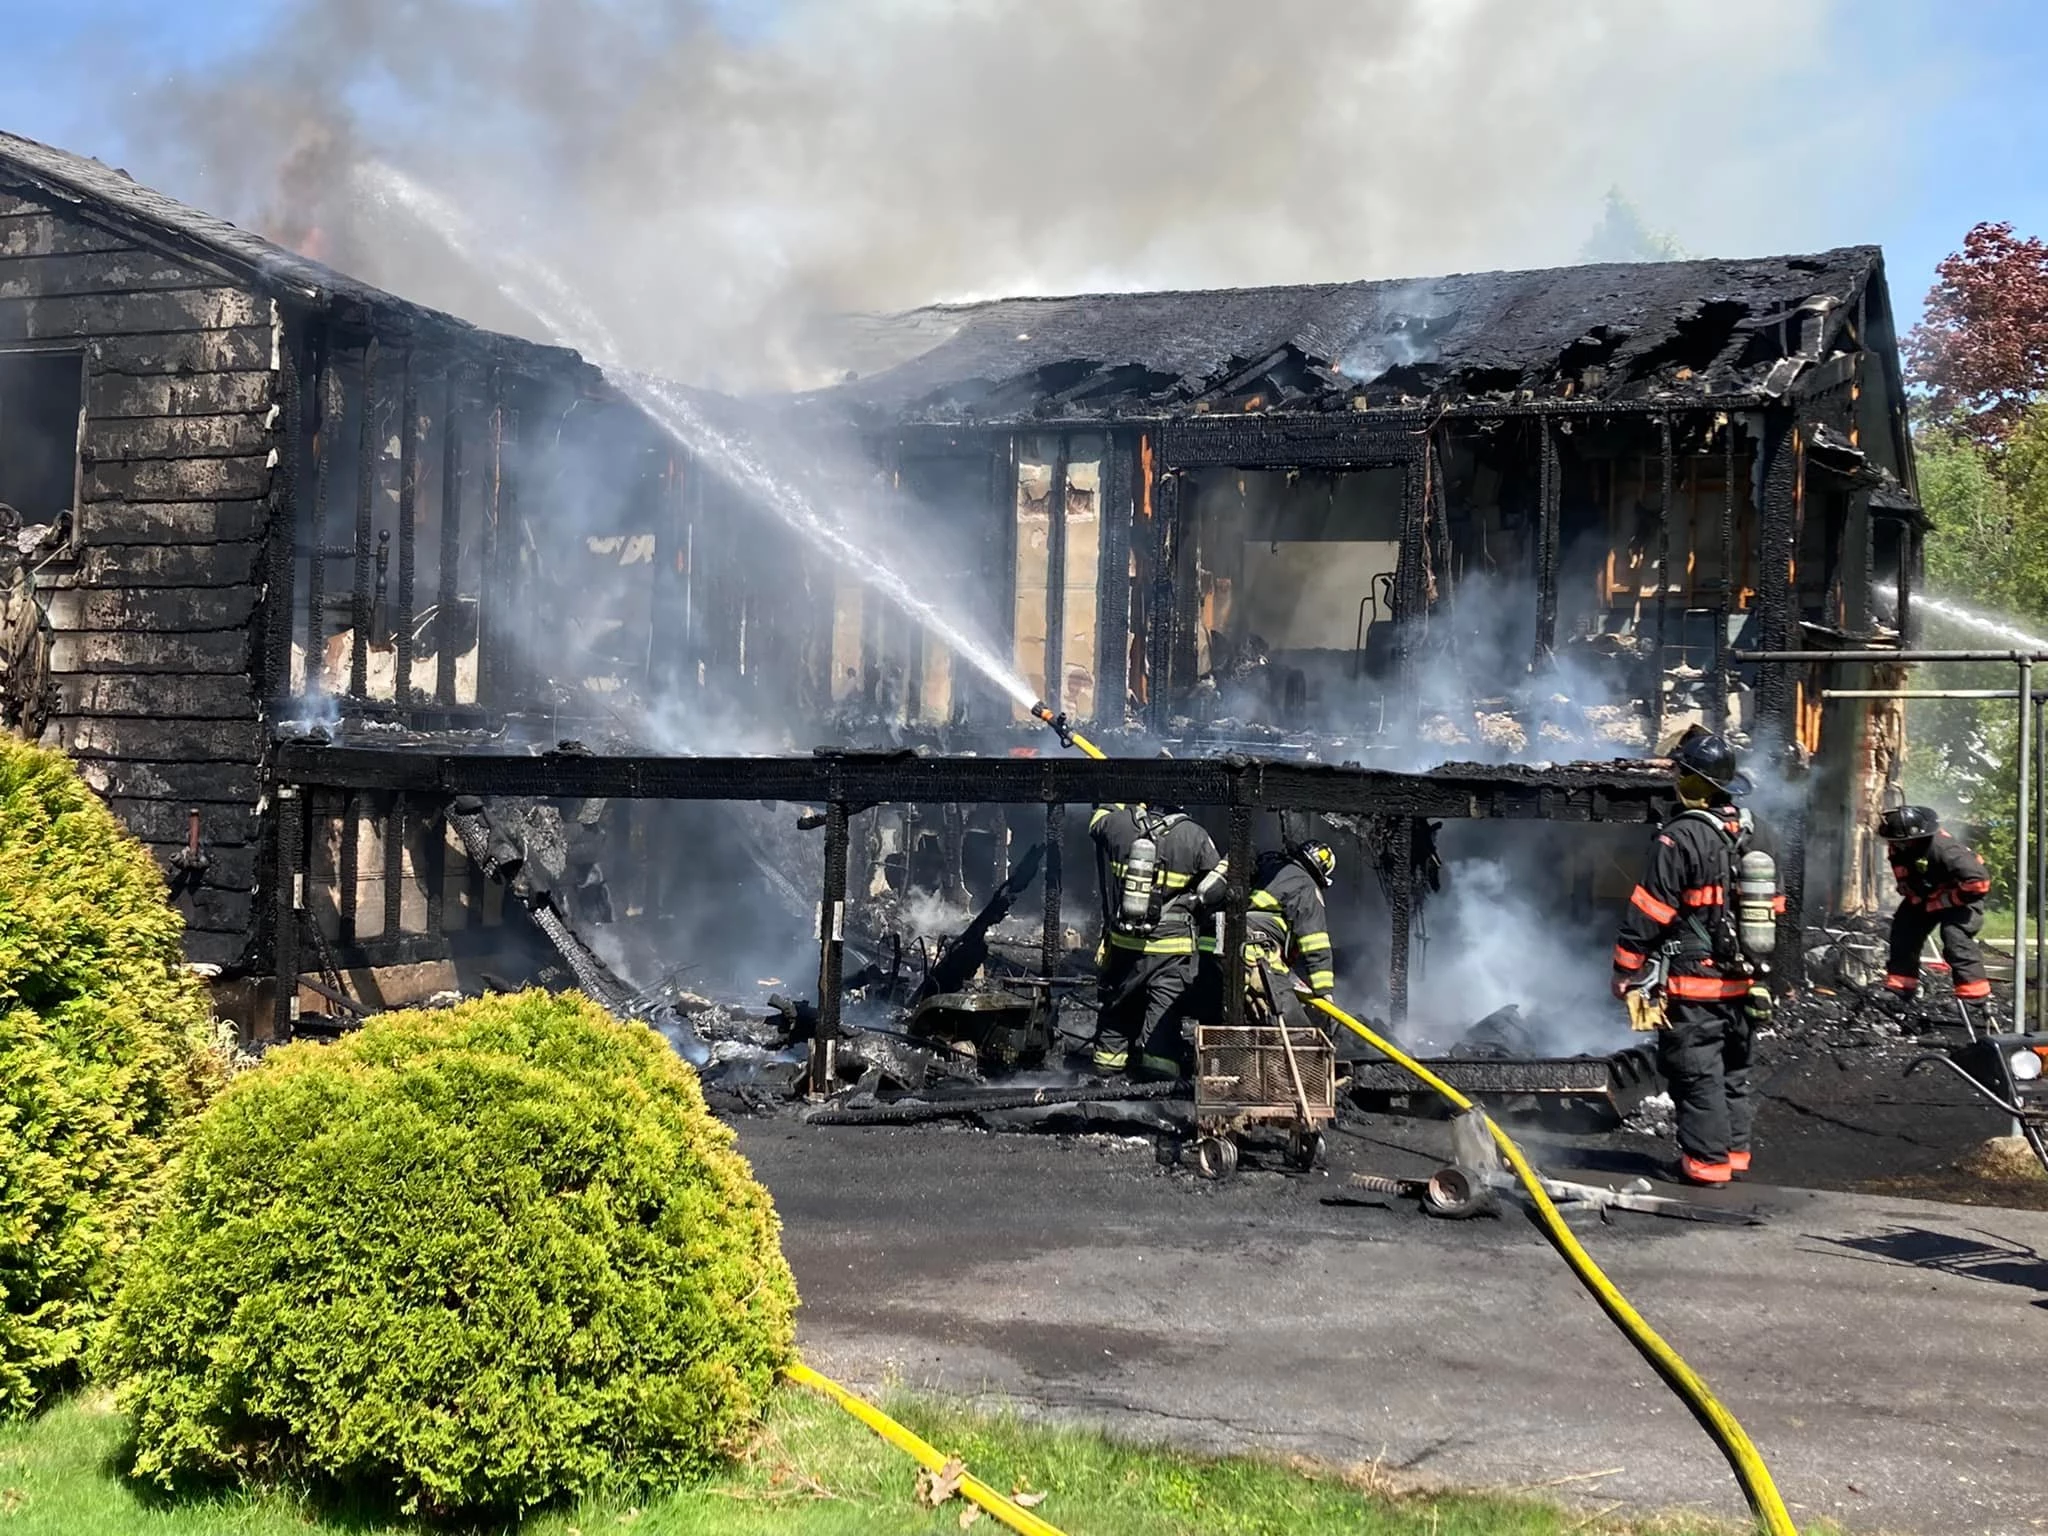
(1621, 235)
(105, 1054)
(1981, 351)
(1988, 555)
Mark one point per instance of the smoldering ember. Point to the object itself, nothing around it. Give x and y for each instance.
(430, 660)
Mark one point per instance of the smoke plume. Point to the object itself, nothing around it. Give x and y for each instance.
(717, 176)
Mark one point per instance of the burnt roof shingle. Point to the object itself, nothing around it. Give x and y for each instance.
(97, 190)
(1619, 331)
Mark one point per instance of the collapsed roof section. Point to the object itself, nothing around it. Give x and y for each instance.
(1677, 332)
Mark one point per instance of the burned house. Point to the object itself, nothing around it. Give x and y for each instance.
(308, 563)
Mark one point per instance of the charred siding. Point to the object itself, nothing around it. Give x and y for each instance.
(154, 610)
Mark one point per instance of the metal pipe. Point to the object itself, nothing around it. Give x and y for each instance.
(2041, 865)
(831, 947)
(1832, 658)
(2021, 831)
(1927, 693)
(290, 898)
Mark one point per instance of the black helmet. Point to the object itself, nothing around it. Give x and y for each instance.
(1704, 755)
(1319, 859)
(1906, 823)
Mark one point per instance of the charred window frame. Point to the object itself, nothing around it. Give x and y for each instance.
(42, 428)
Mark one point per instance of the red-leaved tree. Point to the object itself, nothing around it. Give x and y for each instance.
(1981, 350)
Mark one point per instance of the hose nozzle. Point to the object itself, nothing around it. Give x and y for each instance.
(1043, 711)
(1069, 738)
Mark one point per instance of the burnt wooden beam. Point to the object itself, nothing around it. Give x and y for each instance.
(831, 946)
(1159, 601)
(1546, 543)
(288, 900)
(281, 535)
(366, 484)
(328, 398)
(1777, 598)
(488, 587)
(394, 864)
(1400, 917)
(449, 574)
(1668, 459)
(889, 778)
(1113, 579)
(1723, 677)
(408, 530)
(1056, 578)
(1052, 942)
(1230, 964)
(349, 875)
(1411, 582)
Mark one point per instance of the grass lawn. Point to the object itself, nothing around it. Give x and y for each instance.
(815, 1472)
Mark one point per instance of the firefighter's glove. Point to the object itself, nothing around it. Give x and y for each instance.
(1645, 1013)
(1757, 1007)
(1621, 984)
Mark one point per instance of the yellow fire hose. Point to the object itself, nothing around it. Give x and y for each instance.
(1015, 1516)
(1066, 733)
(1717, 1421)
(1750, 1471)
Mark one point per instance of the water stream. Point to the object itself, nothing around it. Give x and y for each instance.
(1972, 618)
(542, 293)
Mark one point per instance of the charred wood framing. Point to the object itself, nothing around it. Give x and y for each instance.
(1547, 543)
(1347, 441)
(350, 862)
(1052, 943)
(1723, 678)
(1231, 962)
(1056, 578)
(1613, 792)
(491, 583)
(326, 422)
(831, 944)
(1113, 581)
(446, 627)
(289, 897)
(1400, 856)
(366, 486)
(1411, 576)
(395, 819)
(1160, 606)
(296, 403)
(408, 530)
(1667, 456)
(1776, 590)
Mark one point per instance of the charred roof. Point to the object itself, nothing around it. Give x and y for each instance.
(1672, 332)
(100, 194)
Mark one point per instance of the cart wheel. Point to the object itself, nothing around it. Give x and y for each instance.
(1215, 1157)
(1305, 1149)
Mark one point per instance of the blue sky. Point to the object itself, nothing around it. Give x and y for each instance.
(1959, 84)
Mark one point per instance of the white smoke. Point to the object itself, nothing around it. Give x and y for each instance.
(716, 187)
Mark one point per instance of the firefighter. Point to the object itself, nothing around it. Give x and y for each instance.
(1161, 873)
(1287, 924)
(1943, 885)
(1679, 938)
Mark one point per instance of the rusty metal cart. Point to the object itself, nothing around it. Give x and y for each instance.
(1261, 1074)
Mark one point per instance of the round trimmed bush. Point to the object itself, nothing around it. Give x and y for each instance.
(472, 1259)
(104, 1053)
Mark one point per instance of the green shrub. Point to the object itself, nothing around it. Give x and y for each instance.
(104, 1053)
(471, 1259)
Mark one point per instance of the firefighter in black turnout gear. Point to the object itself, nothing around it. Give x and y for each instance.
(1287, 926)
(1161, 874)
(1687, 960)
(1942, 885)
